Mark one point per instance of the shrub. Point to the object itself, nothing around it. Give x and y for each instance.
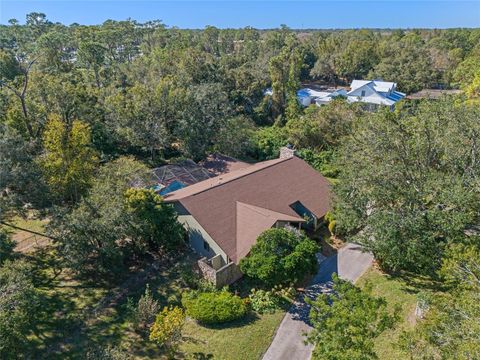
(107, 353)
(286, 293)
(329, 216)
(167, 329)
(280, 256)
(331, 226)
(213, 307)
(145, 311)
(263, 301)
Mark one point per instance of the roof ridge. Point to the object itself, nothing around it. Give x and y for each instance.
(255, 207)
(279, 161)
(248, 173)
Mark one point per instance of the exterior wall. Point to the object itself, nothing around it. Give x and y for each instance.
(286, 152)
(226, 275)
(197, 235)
(305, 100)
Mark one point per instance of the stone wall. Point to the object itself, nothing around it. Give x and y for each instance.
(226, 275)
(207, 271)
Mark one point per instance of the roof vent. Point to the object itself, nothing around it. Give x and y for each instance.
(287, 152)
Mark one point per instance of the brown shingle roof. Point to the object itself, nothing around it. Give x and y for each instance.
(219, 164)
(234, 207)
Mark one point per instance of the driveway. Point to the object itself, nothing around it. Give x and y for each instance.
(349, 263)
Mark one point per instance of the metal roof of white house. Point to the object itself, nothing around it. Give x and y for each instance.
(378, 85)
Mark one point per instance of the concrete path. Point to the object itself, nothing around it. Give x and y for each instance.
(288, 344)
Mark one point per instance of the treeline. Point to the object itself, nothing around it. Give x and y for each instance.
(85, 111)
(149, 90)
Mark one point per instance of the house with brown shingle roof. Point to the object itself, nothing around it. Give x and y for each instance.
(224, 215)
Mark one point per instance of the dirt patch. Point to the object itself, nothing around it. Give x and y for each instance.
(27, 242)
(412, 317)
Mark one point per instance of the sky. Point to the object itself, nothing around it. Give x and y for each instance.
(321, 14)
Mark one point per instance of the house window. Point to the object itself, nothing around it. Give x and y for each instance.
(363, 93)
(206, 245)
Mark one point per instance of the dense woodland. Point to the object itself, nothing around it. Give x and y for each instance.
(87, 111)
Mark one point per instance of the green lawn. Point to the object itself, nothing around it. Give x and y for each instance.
(395, 291)
(243, 340)
(69, 326)
(31, 223)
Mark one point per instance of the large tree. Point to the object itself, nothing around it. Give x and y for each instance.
(280, 256)
(451, 328)
(346, 321)
(407, 187)
(118, 221)
(405, 61)
(69, 161)
(205, 114)
(21, 182)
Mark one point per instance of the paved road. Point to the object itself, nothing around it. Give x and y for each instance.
(350, 263)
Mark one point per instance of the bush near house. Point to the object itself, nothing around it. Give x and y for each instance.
(214, 307)
(144, 312)
(280, 256)
(167, 329)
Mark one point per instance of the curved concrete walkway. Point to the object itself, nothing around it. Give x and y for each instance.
(349, 263)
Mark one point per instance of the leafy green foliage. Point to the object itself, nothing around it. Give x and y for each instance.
(320, 161)
(408, 185)
(19, 309)
(106, 353)
(346, 321)
(324, 128)
(115, 223)
(267, 301)
(235, 139)
(167, 329)
(263, 301)
(204, 117)
(144, 312)
(268, 142)
(450, 328)
(156, 223)
(213, 307)
(6, 245)
(280, 256)
(406, 62)
(68, 163)
(20, 177)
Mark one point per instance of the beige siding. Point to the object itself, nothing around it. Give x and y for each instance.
(197, 235)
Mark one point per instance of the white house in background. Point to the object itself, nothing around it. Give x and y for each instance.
(375, 92)
(329, 96)
(307, 96)
(372, 92)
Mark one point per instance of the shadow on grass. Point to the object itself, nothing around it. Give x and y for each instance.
(415, 283)
(201, 356)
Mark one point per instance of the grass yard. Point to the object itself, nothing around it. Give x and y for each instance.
(80, 315)
(247, 339)
(395, 291)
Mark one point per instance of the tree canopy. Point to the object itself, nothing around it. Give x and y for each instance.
(407, 188)
(280, 256)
